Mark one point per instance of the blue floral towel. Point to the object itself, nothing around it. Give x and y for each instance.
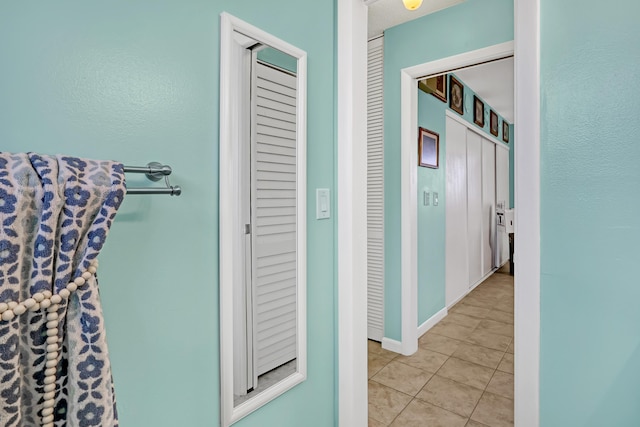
(55, 213)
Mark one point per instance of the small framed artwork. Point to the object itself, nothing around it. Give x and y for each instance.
(478, 111)
(493, 121)
(428, 148)
(456, 96)
(505, 131)
(436, 86)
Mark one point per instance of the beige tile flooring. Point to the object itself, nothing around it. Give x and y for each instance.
(462, 373)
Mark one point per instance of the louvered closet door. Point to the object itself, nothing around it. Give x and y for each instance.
(375, 193)
(273, 212)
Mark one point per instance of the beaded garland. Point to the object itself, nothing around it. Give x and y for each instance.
(51, 303)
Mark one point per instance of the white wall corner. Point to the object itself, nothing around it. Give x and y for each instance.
(409, 212)
(527, 213)
(352, 216)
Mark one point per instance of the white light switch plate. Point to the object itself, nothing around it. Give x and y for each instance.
(323, 203)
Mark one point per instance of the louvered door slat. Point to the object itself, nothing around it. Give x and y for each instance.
(375, 192)
(274, 218)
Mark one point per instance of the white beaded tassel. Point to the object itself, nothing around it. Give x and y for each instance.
(51, 366)
(50, 302)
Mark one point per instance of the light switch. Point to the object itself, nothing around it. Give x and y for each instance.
(323, 203)
(435, 199)
(426, 198)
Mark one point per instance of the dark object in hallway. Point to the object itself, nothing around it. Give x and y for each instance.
(511, 253)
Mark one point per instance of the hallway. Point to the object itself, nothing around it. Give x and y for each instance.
(462, 373)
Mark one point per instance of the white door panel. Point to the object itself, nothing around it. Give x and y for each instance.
(488, 206)
(474, 205)
(456, 251)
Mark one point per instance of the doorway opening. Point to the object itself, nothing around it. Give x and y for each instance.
(487, 178)
(352, 29)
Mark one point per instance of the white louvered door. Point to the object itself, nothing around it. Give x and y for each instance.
(273, 217)
(375, 193)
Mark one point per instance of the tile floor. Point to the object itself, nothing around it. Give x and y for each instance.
(462, 373)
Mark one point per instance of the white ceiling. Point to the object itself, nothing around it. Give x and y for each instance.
(385, 14)
(493, 82)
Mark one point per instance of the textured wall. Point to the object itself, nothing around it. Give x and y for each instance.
(138, 81)
(590, 213)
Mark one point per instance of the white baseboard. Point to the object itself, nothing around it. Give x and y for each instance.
(392, 345)
(457, 300)
(475, 285)
(431, 322)
(396, 346)
(486, 276)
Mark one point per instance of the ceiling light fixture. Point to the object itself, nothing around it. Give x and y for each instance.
(412, 4)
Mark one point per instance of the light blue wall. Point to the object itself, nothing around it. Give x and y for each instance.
(432, 219)
(590, 213)
(138, 81)
(471, 25)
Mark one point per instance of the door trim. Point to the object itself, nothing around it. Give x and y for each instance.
(351, 233)
(232, 254)
(527, 213)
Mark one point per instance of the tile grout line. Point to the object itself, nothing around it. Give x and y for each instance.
(405, 407)
(486, 386)
(449, 356)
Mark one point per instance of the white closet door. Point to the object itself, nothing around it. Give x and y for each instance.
(474, 206)
(273, 213)
(456, 251)
(488, 206)
(375, 193)
(502, 195)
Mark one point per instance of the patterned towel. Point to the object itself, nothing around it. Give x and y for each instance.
(55, 213)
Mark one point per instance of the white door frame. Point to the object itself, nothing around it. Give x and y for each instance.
(409, 177)
(351, 191)
(351, 187)
(235, 37)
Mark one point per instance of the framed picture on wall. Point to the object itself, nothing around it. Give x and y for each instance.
(505, 131)
(436, 86)
(493, 121)
(428, 148)
(478, 111)
(456, 96)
